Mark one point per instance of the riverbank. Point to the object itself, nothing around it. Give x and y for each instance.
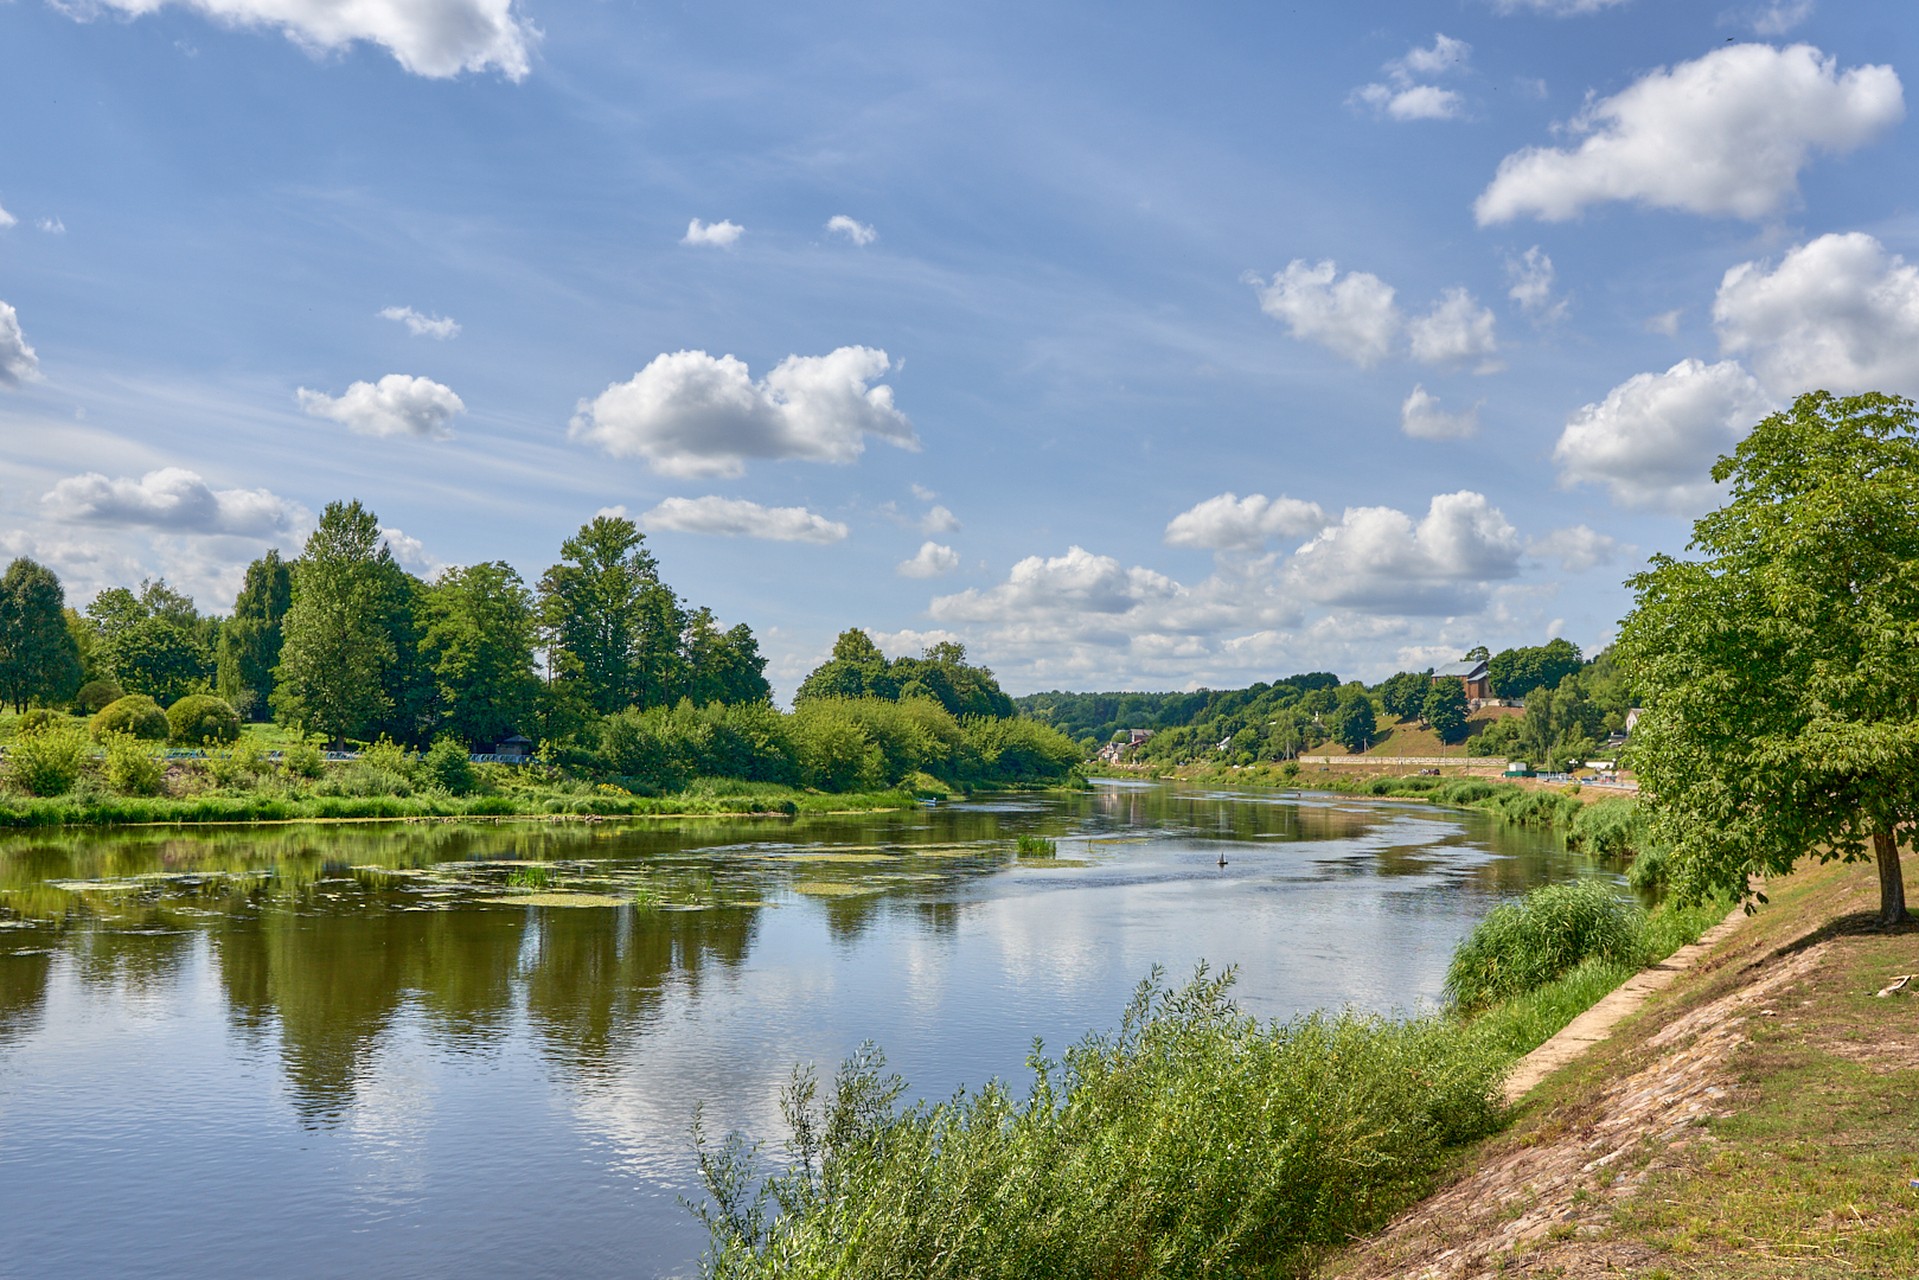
(1753, 1119)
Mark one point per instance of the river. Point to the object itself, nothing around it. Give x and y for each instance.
(448, 1050)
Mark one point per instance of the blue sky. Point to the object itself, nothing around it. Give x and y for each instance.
(1135, 345)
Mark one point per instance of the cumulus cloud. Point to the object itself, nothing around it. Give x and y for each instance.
(1379, 560)
(18, 363)
(437, 39)
(1232, 523)
(1078, 580)
(396, 405)
(410, 553)
(691, 414)
(1576, 549)
(931, 561)
(172, 499)
(7, 219)
(715, 234)
(1652, 441)
(1405, 96)
(859, 233)
(421, 325)
(1531, 274)
(1422, 418)
(738, 518)
(939, 520)
(1724, 134)
(1838, 313)
(1353, 315)
(1456, 331)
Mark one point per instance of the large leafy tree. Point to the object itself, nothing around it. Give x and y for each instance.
(338, 648)
(250, 639)
(153, 641)
(1446, 709)
(1515, 673)
(38, 658)
(1353, 723)
(1777, 669)
(856, 669)
(611, 627)
(479, 642)
(722, 666)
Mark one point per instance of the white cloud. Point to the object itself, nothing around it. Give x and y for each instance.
(738, 518)
(173, 499)
(692, 414)
(421, 325)
(1666, 322)
(931, 561)
(939, 520)
(923, 493)
(1577, 548)
(1078, 580)
(18, 363)
(1422, 418)
(1446, 56)
(1839, 313)
(1455, 331)
(1232, 523)
(52, 226)
(1532, 276)
(1653, 439)
(1414, 102)
(717, 234)
(1354, 314)
(397, 405)
(410, 553)
(1556, 8)
(1378, 560)
(860, 233)
(1774, 19)
(438, 38)
(7, 219)
(1724, 134)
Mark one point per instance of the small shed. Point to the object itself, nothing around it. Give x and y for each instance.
(514, 748)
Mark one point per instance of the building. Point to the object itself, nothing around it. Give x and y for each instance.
(1471, 672)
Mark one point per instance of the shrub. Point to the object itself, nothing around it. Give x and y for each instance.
(49, 761)
(449, 766)
(136, 714)
(35, 720)
(200, 719)
(1524, 945)
(1191, 1142)
(1609, 828)
(1649, 869)
(132, 769)
(239, 767)
(304, 760)
(95, 695)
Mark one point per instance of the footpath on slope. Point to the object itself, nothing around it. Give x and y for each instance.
(1745, 1110)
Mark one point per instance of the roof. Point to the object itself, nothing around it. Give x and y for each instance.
(1466, 669)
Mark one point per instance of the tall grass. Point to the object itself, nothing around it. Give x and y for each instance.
(1193, 1141)
(1524, 945)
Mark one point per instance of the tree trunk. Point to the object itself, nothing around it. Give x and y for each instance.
(1892, 884)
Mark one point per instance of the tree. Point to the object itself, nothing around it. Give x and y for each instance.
(250, 639)
(337, 649)
(1353, 723)
(722, 666)
(154, 642)
(38, 658)
(478, 641)
(1403, 695)
(1780, 695)
(594, 606)
(856, 669)
(1445, 709)
(1515, 673)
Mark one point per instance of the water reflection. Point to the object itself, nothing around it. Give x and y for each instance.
(385, 1035)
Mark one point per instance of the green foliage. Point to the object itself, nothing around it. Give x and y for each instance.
(338, 646)
(601, 611)
(857, 670)
(1515, 673)
(479, 642)
(1190, 725)
(1036, 847)
(1192, 1141)
(1445, 708)
(250, 640)
(1524, 945)
(200, 719)
(1404, 695)
(134, 714)
(1612, 828)
(449, 766)
(1781, 699)
(39, 660)
(94, 695)
(48, 761)
(131, 767)
(36, 719)
(1353, 723)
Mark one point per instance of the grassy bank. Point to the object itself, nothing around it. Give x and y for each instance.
(1191, 1141)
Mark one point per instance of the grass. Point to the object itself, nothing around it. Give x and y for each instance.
(1036, 847)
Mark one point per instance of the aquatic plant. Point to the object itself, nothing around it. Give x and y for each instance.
(1036, 847)
(1524, 945)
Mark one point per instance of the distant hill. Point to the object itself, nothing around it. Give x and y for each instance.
(1100, 715)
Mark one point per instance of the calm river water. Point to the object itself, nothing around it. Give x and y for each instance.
(394, 1050)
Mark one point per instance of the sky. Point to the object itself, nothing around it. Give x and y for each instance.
(1134, 345)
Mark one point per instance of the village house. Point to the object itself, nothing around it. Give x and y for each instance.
(1470, 672)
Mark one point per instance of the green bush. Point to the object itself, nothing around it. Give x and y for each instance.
(95, 695)
(48, 761)
(449, 766)
(200, 719)
(36, 720)
(1526, 944)
(304, 760)
(1191, 1142)
(1648, 872)
(131, 768)
(136, 714)
(1609, 828)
